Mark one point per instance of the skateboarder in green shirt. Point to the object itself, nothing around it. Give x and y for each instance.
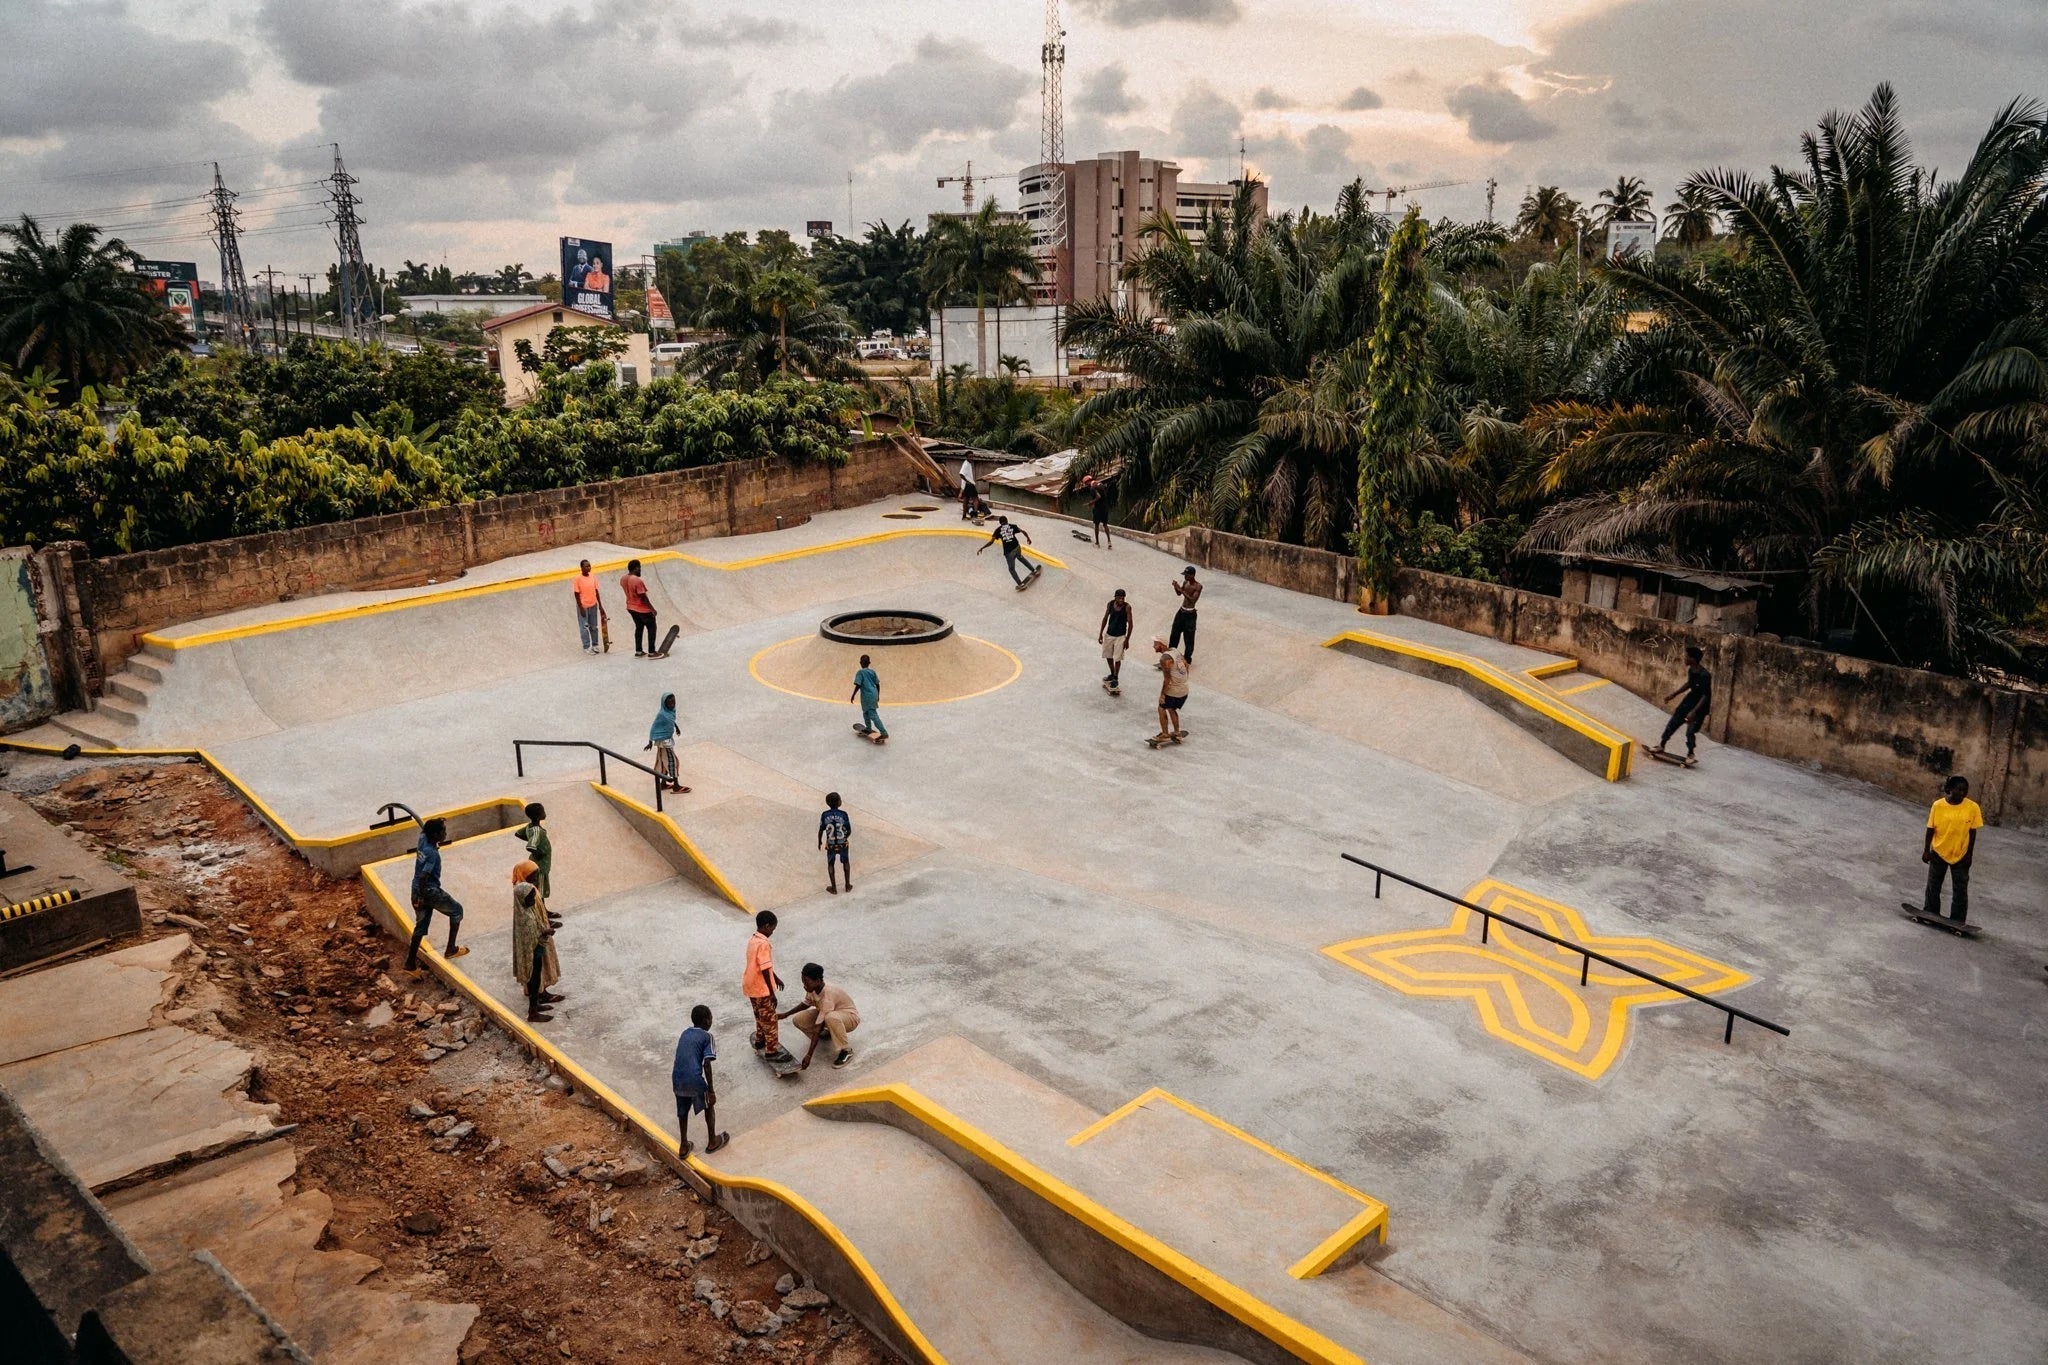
(541, 849)
(867, 690)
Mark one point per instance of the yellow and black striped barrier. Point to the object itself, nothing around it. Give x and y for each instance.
(49, 902)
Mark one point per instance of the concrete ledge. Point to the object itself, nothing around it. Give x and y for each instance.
(807, 1239)
(192, 1312)
(68, 900)
(666, 837)
(1126, 1271)
(1594, 746)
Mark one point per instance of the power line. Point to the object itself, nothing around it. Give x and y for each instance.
(170, 165)
(354, 293)
(239, 321)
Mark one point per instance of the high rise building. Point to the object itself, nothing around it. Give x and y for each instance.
(1109, 199)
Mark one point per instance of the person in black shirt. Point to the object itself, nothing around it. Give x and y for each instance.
(1013, 553)
(1114, 635)
(1100, 490)
(1691, 712)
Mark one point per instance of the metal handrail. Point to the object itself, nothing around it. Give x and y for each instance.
(603, 754)
(1587, 956)
(387, 811)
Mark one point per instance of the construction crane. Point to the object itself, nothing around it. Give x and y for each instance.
(967, 179)
(1395, 191)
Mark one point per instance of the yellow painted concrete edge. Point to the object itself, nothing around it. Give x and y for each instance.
(650, 1132)
(34, 904)
(754, 669)
(262, 807)
(1371, 1217)
(683, 841)
(1551, 670)
(1301, 1340)
(426, 599)
(1620, 748)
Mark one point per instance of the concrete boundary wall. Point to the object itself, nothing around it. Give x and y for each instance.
(122, 597)
(1900, 729)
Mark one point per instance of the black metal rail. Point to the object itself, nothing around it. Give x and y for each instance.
(1587, 956)
(389, 811)
(604, 755)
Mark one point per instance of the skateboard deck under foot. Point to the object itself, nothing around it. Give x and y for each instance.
(1036, 570)
(1913, 913)
(1155, 742)
(1673, 759)
(869, 735)
(668, 642)
(1112, 689)
(783, 1070)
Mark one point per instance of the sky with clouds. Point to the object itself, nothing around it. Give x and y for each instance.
(481, 130)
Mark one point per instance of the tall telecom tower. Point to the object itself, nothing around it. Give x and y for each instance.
(1052, 158)
(358, 302)
(238, 311)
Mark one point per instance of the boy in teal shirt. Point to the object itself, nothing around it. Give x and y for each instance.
(867, 687)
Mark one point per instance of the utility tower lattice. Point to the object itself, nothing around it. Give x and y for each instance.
(357, 301)
(1052, 156)
(238, 316)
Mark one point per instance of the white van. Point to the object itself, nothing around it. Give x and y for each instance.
(669, 352)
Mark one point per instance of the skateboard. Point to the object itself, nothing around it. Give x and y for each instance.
(1937, 922)
(668, 642)
(1112, 688)
(1080, 536)
(604, 627)
(1036, 570)
(1673, 759)
(869, 735)
(783, 1070)
(1155, 742)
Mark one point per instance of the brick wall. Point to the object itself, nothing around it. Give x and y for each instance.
(125, 596)
(1901, 729)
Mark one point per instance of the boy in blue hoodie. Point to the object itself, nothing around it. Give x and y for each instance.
(427, 895)
(661, 737)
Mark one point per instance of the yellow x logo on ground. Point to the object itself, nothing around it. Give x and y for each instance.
(1526, 990)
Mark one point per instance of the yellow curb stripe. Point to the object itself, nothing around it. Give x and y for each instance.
(1552, 670)
(37, 903)
(1620, 748)
(1371, 1217)
(683, 841)
(1302, 1341)
(534, 580)
(613, 1102)
(1583, 687)
(1016, 671)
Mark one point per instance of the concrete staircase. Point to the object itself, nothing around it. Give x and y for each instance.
(116, 721)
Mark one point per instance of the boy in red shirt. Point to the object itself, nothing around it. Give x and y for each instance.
(760, 983)
(640, 607)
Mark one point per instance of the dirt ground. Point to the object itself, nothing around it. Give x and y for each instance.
(475, 1177)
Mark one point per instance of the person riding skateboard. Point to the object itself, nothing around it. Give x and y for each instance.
(427, 895)
(1189, 590)
(690, 1079)
(534, 965)
(640, 607)
(589, 609)
(1949, 845)
(826, 1010)
(661, 737)
(835, 832)
(1013, 553)
(1114, 635)
(1173, 692)
(760, 983)
(1698, 692)
(867, 690)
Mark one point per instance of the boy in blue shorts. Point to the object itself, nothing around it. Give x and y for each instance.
(691, 1081)
(835, 832)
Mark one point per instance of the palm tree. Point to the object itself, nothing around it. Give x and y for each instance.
(415, 278)
(74, 307)
(1627, 202)
(772, 321)
(511, 279)
(981, 256)
(1689, 220)
(1547, 215)
(1857, 398)
(1397, 383)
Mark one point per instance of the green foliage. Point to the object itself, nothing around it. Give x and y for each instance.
(1480, 550)
(73, 307)
(876, 278)
(982, 260)
(771, 320)
(568, 348)
(1397, 396)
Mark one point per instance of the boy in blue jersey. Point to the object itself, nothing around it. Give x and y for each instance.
(835, 832)
(690, 1079)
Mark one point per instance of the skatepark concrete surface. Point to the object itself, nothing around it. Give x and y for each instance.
(1050, 921)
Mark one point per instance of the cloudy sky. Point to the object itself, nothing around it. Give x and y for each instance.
(481, 130)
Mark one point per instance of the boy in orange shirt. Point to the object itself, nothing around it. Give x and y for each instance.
(589, 609)
(760, 983)
(1952, 825)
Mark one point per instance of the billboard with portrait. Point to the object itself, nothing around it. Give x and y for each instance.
(1626, 238)
(587, 275)
(177, 284)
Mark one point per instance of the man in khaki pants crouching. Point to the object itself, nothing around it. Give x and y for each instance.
(825, 1010)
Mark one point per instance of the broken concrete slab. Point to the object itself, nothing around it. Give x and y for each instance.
(236, 1207)
(128, 1107)
(84, 1002)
